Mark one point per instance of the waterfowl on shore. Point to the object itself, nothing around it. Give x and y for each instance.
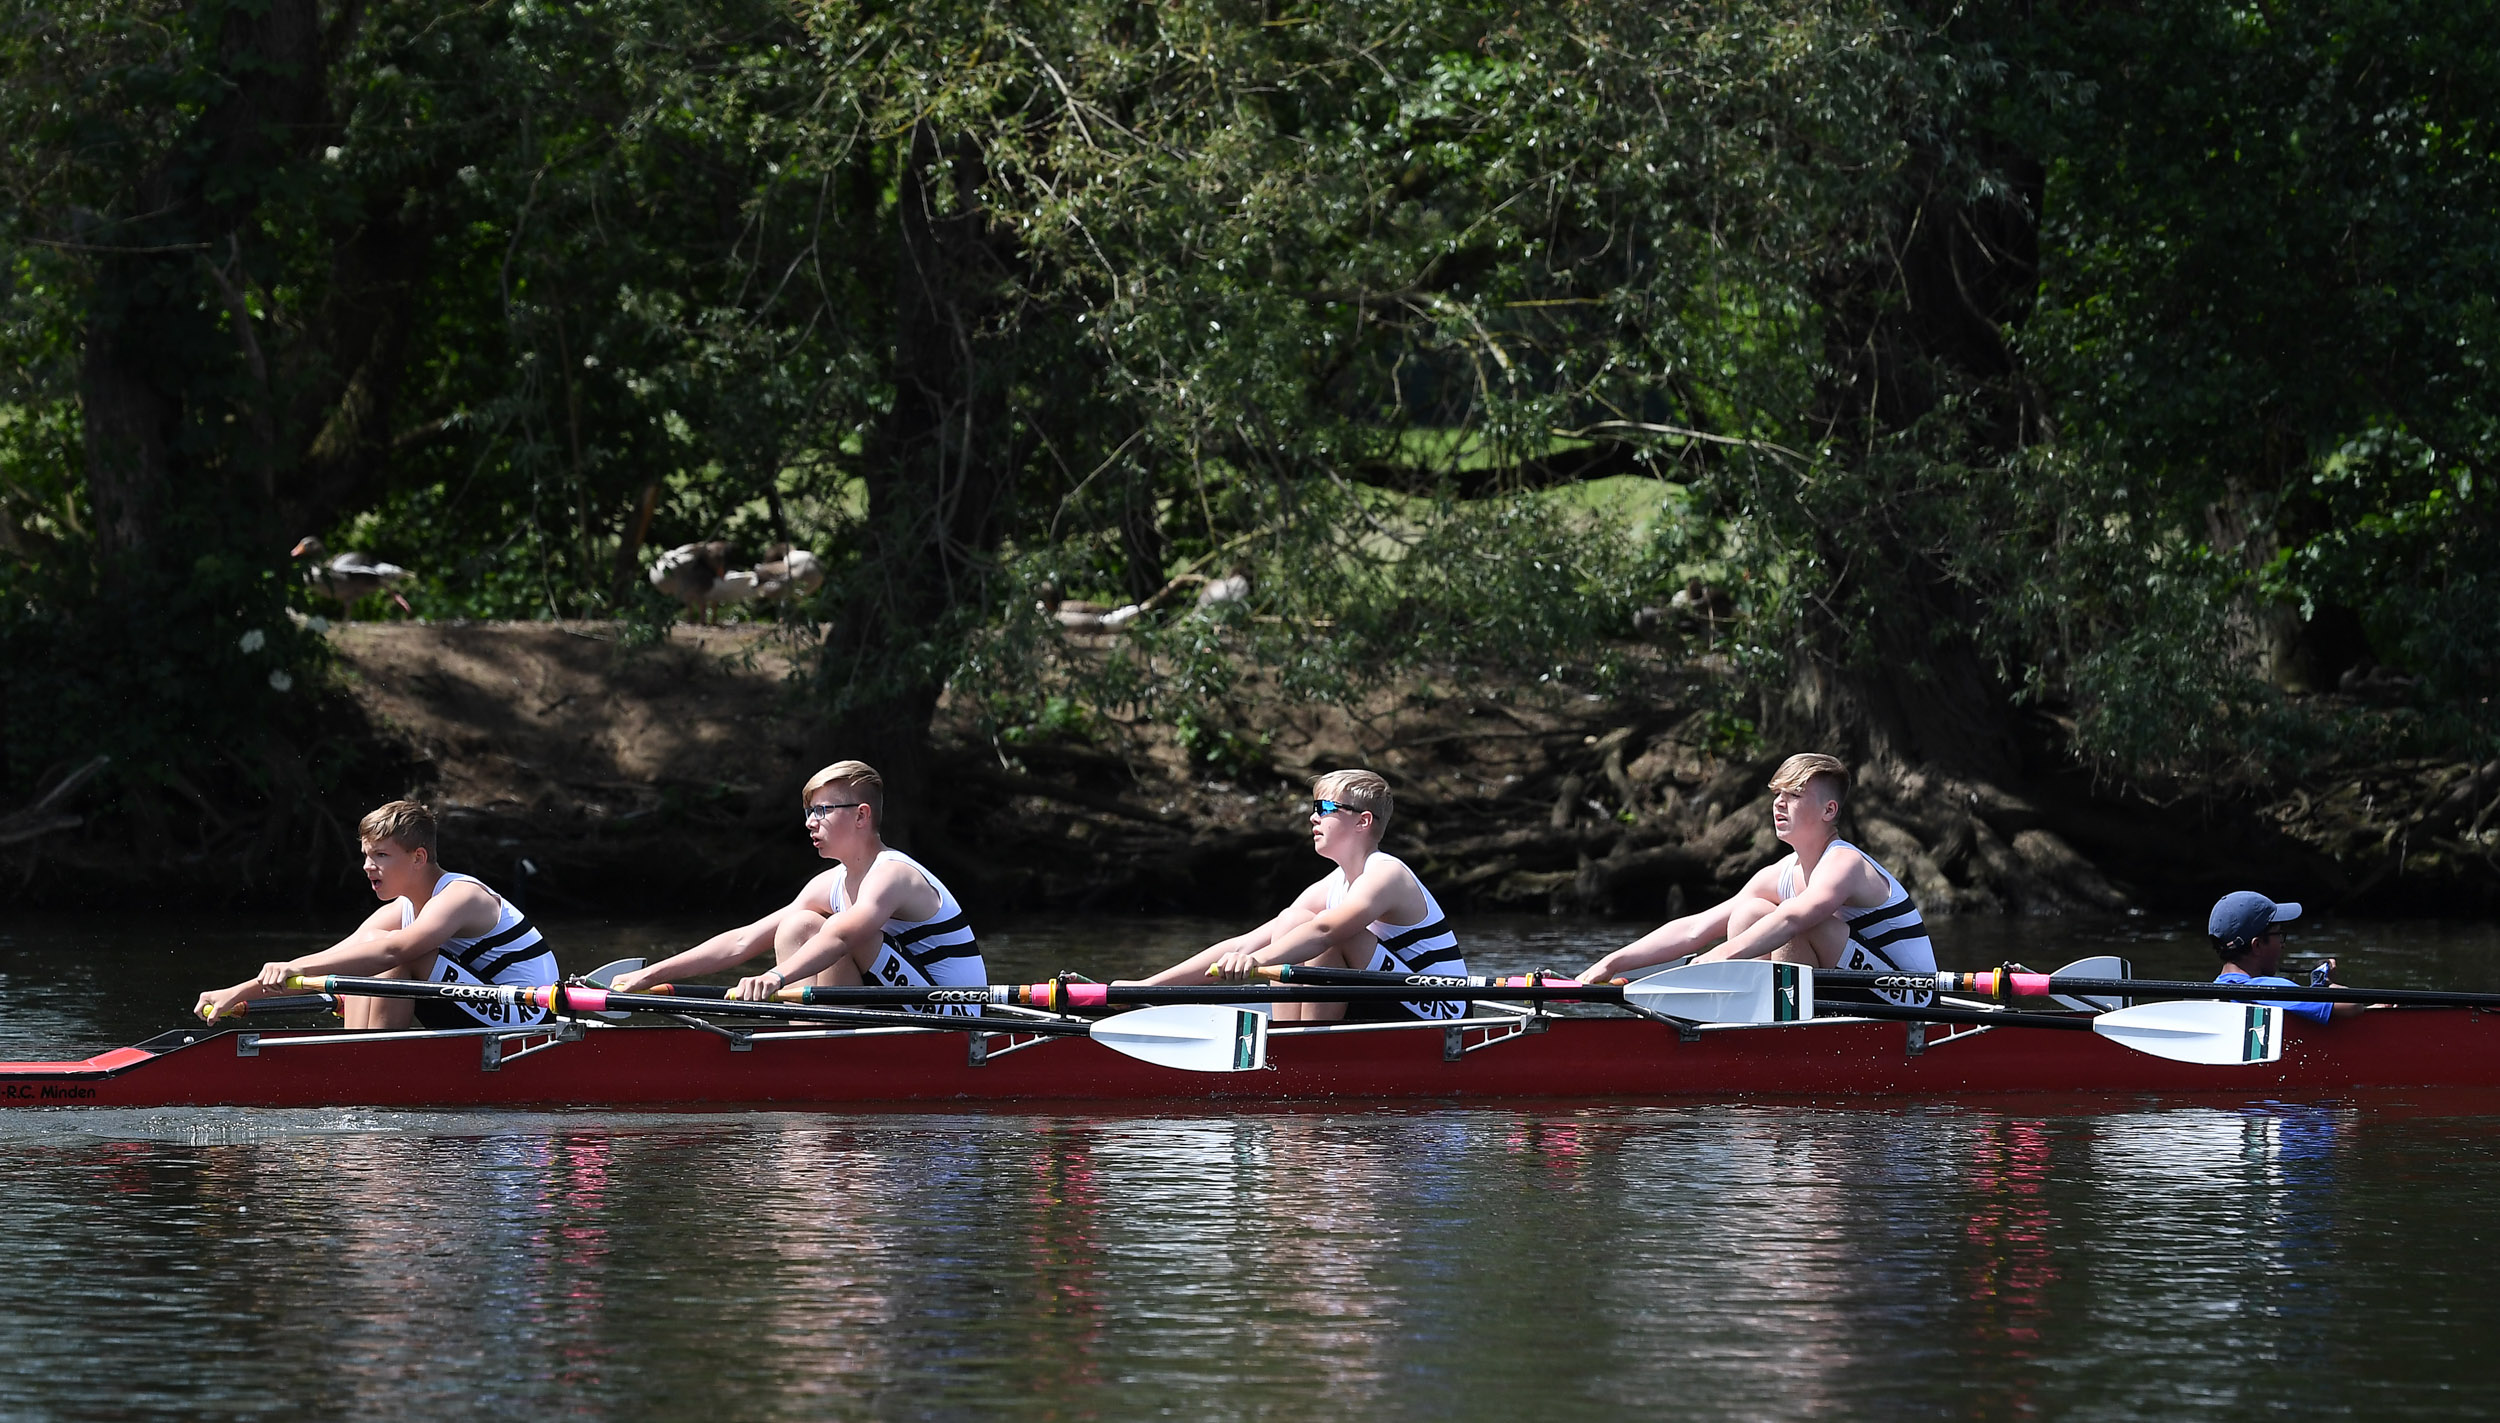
(699, 576)
(689, 572)
(1233, 587)
(349, 576)
(789, 572)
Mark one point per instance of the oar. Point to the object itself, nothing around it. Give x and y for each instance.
(2000, 983)
(1759, 991)
(1062, 996)
(1193, 1038)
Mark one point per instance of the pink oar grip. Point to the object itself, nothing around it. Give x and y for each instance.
(1089, 995)
(588, 1000)
(2034, 984)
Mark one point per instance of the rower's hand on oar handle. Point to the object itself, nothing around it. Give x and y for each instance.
(275, 975)
(219, 1003)
(1236, 967)
(760, 988)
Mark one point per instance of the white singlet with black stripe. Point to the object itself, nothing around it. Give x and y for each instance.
(511, 952)
(1427, 946)
(936, 952)
(1885, 938)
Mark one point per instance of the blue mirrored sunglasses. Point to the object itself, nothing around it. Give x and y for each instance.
(1331, 807)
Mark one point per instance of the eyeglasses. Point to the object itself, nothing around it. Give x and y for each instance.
(819, 812)
(1331, 807)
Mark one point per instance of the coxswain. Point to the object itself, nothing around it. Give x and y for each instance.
(1371, 912)
(2247, 930)
(877, 917)
(433, 925)
(1826, 903)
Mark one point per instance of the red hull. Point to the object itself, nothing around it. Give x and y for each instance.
(1575, 1058)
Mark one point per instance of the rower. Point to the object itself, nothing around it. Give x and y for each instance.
(1371, 912)
(2247, 930)
(434, 926)
(878, 916)
(1827, 903)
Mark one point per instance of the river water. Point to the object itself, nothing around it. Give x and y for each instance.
(2094, 1258)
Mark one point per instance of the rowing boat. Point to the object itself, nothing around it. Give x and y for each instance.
(1495, 1053)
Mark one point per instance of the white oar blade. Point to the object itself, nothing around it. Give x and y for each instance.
(1194, 1037)
(2097, 966)
(1742, 991)
(2217, 1034)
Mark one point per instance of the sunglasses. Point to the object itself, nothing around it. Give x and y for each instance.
(819, 812)
(1331, 807)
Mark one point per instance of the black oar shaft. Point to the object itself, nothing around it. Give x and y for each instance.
(596, 1000)
(1993, 1017)
(1998, 984)
(1548, 987)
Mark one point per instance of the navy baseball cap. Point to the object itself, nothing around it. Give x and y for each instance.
(2246, 914)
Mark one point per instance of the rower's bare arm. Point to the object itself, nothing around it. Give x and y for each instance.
(1671, 940)
(461, 911)
(1843, 875)
(217, 1002)
(891, 890)
(723, 950)
(1383, 891)
(1198, 967)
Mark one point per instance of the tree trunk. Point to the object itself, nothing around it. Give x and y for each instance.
(937, 466)
(1892, 679)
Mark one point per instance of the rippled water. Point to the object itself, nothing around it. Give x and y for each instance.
(1742, 1260)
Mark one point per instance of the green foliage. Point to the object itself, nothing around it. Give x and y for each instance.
(981, 301)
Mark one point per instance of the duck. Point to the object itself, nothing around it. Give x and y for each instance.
(699, 576)
(789, 572)
(350, 576)
(689, 572)
(1233, 587)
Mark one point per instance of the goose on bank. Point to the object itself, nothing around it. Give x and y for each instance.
(349, 576)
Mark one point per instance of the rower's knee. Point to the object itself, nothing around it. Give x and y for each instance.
(1746, 914)
(1821, 946)
(792, 933)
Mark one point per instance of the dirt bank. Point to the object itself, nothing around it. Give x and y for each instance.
(586, 770)
(596, 771)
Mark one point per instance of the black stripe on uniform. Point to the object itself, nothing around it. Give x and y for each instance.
(1915, 929)
(925, 960)
(468, 958)
(1426, 961)
(909, 937)
(1415, 935)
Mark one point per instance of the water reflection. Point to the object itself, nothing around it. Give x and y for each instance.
(1754, 1261)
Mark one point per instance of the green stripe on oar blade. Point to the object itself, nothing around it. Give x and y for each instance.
(1191, 1037)
(1741, 991)
(2216, 1034)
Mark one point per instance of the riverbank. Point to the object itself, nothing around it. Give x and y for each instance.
(591, 770)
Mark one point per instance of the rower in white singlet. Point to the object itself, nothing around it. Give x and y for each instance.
(510, 952)
(1370, 913)
(936, 952)
(1426, 946)
(446, 928)
(877, 917)
(1828, 903)
(1883, 938)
